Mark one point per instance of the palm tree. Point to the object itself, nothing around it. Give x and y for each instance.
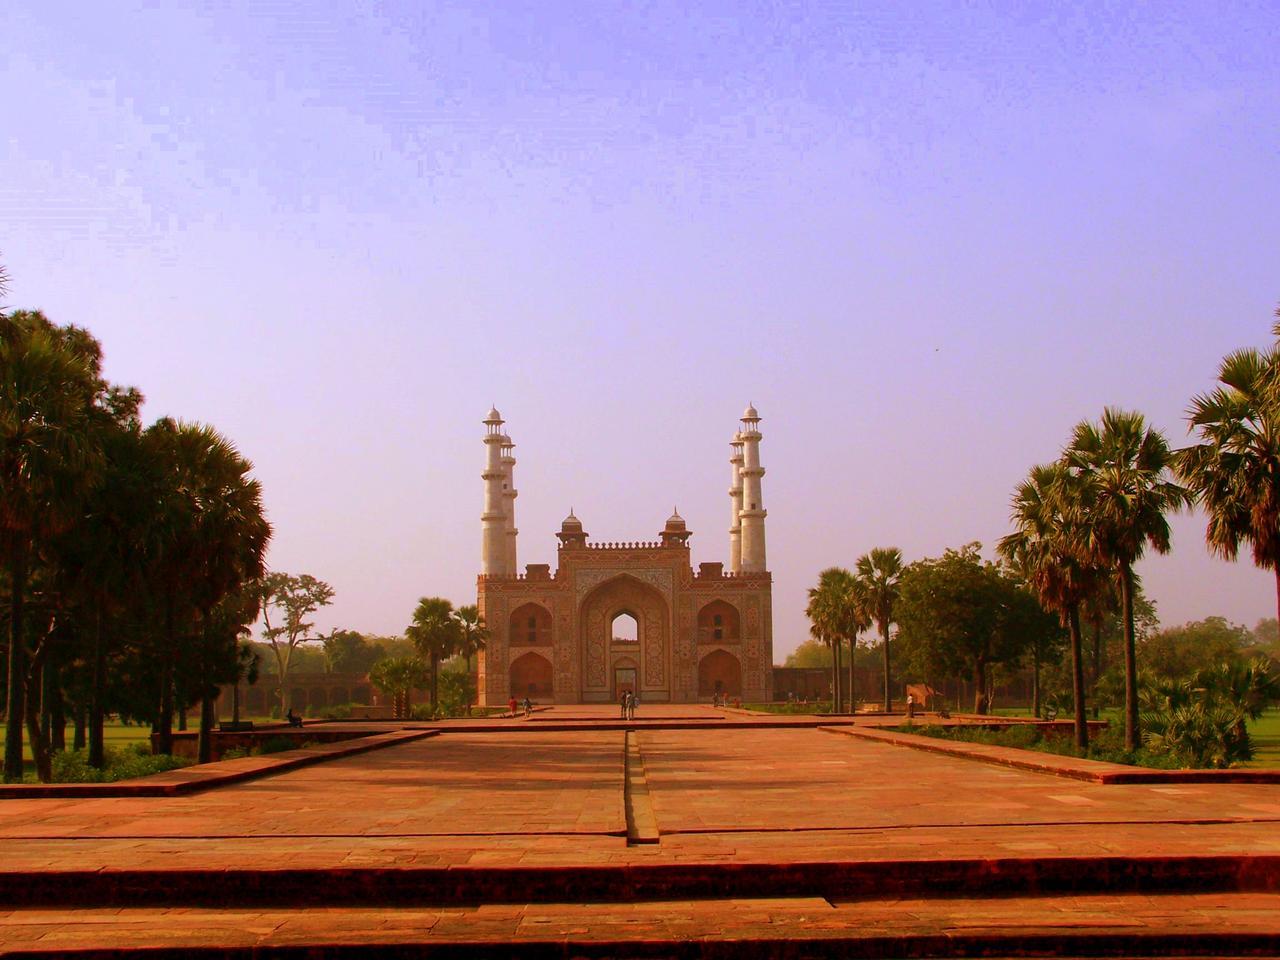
(48, 385)
(1119, 506)
(1234, 470)
(823, 613)
(1043, 548)
(472, 636)
(209, 540)
(435, 632)
(396, 677)
(101, 559)
(879, 572)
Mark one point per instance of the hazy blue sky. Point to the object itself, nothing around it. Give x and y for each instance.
(924, 243)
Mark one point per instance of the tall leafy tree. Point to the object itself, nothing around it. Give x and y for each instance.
(49, 384)
(879, 573)
(1122, 493)
(1234, 468)
(347, 651)
(435, 633)
(1044, 548)
(287, 601)
(960, 616)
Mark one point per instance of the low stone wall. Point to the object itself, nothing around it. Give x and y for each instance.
(186, 743)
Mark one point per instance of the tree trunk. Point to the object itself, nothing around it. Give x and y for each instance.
(1077, 678)
(97, 681)
(835, 677)
(837, 695)
(884, 635)
(235, 703)
(435, 685)
(1035, 680)
(1097, 662)
(980, 687)
(164, 722)
(204, 747)
(37, 737)
(80, 727)
(853, 699)
(467, 685)
(182, 712)
(56, 709)
(1132, 733)
(15, 708)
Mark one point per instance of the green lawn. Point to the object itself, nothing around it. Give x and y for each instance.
(1265, 734)
(119, 734)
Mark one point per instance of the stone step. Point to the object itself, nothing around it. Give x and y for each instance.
(1171, 925)
(628, 883)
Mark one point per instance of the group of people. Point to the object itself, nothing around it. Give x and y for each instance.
(513, 705)
(628, 702)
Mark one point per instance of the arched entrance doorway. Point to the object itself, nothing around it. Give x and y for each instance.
(611, 644)
(719, 673)
(531, 677)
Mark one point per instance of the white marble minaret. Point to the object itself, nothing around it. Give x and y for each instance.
(735, 498)
(509, 502)
(493, 547)
(752, 515)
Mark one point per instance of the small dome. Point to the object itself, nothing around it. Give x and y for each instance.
(571, 522)
(494, 416)
(750, 413)
(675, 520)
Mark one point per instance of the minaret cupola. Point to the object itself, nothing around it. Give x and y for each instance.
(675, 533)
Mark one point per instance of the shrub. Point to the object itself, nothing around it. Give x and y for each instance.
(235, 753)
(72, 766)
(276, 745)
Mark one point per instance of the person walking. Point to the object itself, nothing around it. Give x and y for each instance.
(632, 700)
(622, 704)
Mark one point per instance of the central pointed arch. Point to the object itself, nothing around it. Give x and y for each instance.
(625, 595)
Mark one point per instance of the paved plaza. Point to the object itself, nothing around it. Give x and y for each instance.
(567, 829)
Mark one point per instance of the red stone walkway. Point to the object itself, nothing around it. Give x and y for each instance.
(1169, 925)
(789, 819)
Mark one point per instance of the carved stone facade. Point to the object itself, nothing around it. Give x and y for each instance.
(674, 610)
(552, 636)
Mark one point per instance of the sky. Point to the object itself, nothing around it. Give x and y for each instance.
(923, 239)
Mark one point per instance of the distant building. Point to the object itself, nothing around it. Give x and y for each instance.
(698, 633)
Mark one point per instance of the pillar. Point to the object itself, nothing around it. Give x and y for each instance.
(753, 513)
(493, 522)
(735, 501)
(509, 503)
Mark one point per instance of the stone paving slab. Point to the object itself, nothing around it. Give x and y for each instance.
(776, 779)
(173, 783)
(1139, 925)
(756, 812)
(449, 785)
(1075, 768)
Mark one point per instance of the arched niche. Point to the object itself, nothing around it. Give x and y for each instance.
(719, 622)
(719, 673)
(531, 676)
(651, 652)
(531, 626)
